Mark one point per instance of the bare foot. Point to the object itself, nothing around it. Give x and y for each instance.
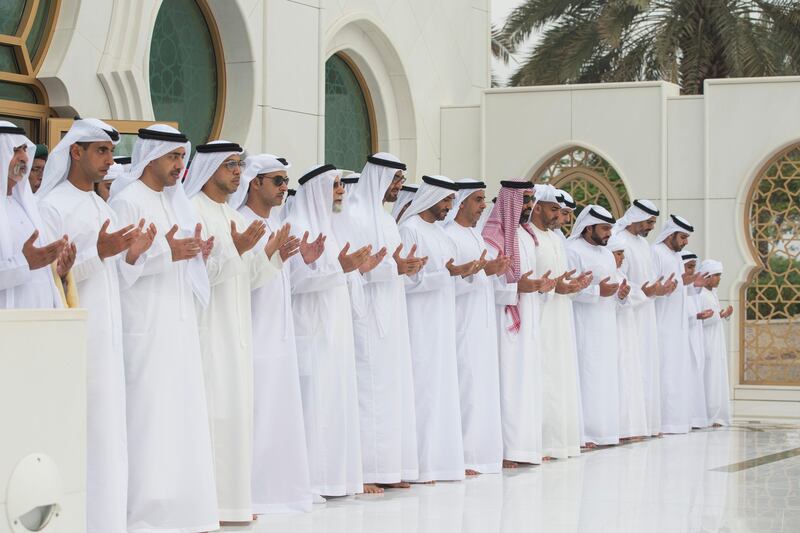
(400, 485)
(371, 488)
(471, 472)
(510, 464)
(548, 458)
(432, 482)
(255, 517)
(716, 425)
(589, 446)
(243, 523)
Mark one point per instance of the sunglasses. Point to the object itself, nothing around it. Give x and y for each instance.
(526, 199)
(233, 165)
(399, 179)
(276, 180)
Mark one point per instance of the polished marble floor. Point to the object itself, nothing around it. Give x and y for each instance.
(744, 478)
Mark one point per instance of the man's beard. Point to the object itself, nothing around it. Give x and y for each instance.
(18, 171)
(390, 196)
(337, 207)
(599, 241)
(525, 216)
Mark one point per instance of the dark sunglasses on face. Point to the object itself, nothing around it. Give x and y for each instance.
(276, 180)
(526, 199)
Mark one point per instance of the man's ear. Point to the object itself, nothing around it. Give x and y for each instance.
(75, 151)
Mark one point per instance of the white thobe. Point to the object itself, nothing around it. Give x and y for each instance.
(673, 341)
(697, 345)
(430, 296)
(226, 341)
(560, 408)
(280, 481)
(80, 214)
(717, 386)
(632, 411)
(33, 289)
(385, 377)
(520, 356)
(638, 269)
(597, 343)
(476, 348)
(171, 474)
(326, 356)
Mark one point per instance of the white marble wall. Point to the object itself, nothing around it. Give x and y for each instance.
(693, 155)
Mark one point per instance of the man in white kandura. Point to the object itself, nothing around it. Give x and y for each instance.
(70, 206)
(638, 267)
(281, 481)
(235, 268)
(717, 386)
(166, 401)
(324, 333)
(476, 335)
(560, 406)
(632, 412)
(430, 296)
(380, 326)
(509, 234)
(595, 311)
(27, 255)
(695, 282)
(673, 326)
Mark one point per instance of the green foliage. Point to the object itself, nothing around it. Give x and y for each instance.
(682, 41)
(775, 292)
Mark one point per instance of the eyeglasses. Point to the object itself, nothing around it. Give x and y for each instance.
(399, 179)
(233, 165)
(276, 180)
(526, 199)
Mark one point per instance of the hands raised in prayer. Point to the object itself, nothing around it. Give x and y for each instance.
(566, 284)
(40, 257)
(700, 280)
(608, 289)
(353, 261)
(624, 289)
(144, 239)
(653, 289)
(727, 312)
(703, 315)
(669, 286)
(66, 259)
(277, 240)
(183, 249)
(410, 264)
(111, 244)
(289, 248)
(311, 251)
(246, 240)
(527, 285)
(372, 261)
(465, 270)
(497, 266)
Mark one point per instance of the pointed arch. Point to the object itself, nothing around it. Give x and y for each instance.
(770, 296)
(588, 176)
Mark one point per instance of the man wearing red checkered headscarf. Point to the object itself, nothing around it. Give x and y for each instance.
(508, 232)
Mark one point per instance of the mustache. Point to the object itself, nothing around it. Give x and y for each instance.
(19, 168)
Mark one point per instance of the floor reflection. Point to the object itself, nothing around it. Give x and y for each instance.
(679, 483)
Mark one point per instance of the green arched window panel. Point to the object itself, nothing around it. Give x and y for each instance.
(348, 126)
(11, 15)
(184, 75)
(16, 92)
(36, 36)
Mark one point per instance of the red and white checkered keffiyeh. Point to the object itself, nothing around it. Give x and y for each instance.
(500, 232)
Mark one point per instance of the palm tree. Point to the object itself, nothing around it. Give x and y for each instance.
(682, 41)
(501, 50)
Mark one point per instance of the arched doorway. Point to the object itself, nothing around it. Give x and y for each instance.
(588, 177)
(770, 321)
(349, 115)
